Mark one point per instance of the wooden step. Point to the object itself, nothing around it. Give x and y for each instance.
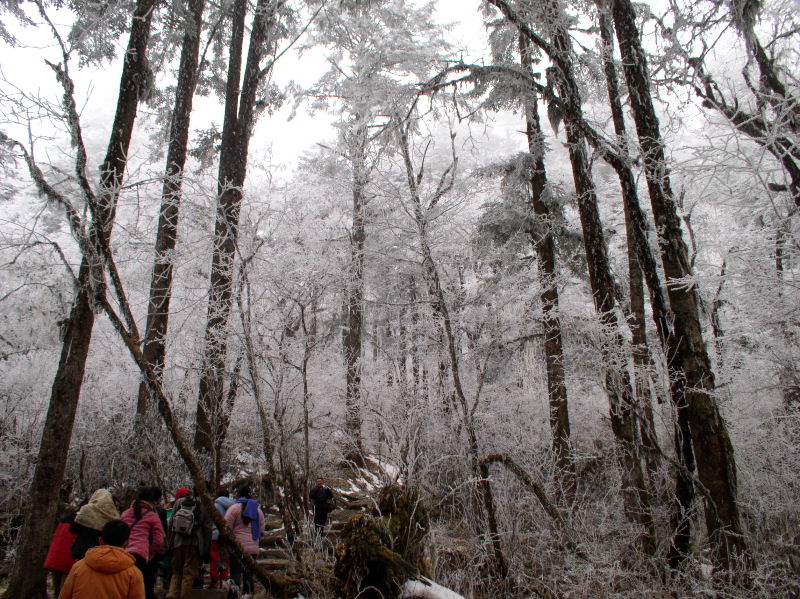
(275, 564)
(276, 553)
(271, 539)
(273, 522)
(207, 594)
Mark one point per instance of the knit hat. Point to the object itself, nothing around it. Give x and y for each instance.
(182, 492)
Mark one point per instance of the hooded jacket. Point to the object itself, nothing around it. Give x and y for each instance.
(107, 572)
(222, 504)
(147, 534)
(90, 520)
(243, 531)
(98, 511)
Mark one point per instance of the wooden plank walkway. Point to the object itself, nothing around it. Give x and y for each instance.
(208, 594)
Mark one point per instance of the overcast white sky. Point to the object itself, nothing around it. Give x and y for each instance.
(286, 139)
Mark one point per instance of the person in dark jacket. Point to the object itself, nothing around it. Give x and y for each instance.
(89, 521)
(188, 548)
(322, 499)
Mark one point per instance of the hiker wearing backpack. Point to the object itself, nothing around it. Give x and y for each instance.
(146, 535)
(246, 521)
(190, 540)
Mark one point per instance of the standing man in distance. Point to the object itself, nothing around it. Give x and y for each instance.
(322, 498)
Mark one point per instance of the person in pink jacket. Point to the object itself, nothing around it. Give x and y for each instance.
(246, 521)
(147, 535)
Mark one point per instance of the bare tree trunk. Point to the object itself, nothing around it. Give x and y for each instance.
(635, 492)
(236, 131)
(630, 198)
(353, 339)
(544, 245)
(28, 578)
(167, 234)
(716, 464)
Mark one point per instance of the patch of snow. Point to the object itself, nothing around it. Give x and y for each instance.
(427, 589)
(392, 472)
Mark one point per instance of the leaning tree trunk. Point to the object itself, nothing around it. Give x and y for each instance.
(636, 228)
(28, 578)
(635, 235)
(716, 464)
(161, 282)
(635, 492)
(353, 338)
(236, 131)
(544, 245)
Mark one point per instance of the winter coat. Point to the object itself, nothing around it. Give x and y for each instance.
(320, 496)
(59, 558)
(147, 534)
(98, 511)
(201, 535)
(243, 531)
(85, 539)
(107, 572)
(222, 503)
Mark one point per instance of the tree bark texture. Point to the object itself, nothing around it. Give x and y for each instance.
(154, 349)
(236, 130)
(544, 245)
(635, 236)
(635, 492)
(716, 464)
(28, 578)
(641, 261)
(353, 338)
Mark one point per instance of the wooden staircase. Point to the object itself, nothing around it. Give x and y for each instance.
(279, 558)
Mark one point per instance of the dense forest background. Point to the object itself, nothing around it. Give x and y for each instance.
(540, 257)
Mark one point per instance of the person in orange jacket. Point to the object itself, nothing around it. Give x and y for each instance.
(107, 571)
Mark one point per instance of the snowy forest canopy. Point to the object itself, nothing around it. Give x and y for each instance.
(537, 257)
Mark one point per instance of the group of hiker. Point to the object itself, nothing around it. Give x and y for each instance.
(97, 553)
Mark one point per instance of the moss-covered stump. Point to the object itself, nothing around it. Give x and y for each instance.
(406, 520)
(366, 567)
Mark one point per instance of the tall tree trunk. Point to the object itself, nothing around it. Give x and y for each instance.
(353, 339)
(28, 578)
(716, 464)
(544, 245)
(635, 492)
(236, 131)
(167, 234)
(642, 261)
(630, 199)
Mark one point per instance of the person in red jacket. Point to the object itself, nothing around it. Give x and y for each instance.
(107, 571)
(59, 560)
(147, 535)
